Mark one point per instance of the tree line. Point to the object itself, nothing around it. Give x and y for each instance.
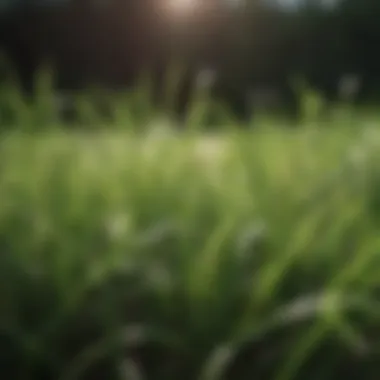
(108, 43)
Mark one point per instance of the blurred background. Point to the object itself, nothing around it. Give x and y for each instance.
(254, 48)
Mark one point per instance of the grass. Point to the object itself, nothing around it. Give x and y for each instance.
(241, 255)
(132, 252)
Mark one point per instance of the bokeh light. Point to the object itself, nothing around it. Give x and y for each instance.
(181, 8)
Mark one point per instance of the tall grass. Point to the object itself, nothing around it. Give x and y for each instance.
(95, 108)
(159, 256)
(234, 255)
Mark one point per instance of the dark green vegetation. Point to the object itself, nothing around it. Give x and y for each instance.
(109, 42)
(241, 255)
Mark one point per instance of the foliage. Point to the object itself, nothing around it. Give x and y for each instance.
(250, 46)
(164, 256)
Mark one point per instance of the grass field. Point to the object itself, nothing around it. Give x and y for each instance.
(241, 255)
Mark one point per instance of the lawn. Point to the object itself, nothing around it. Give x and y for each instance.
(240, 255)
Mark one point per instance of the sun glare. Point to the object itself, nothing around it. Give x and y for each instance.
(181, 8)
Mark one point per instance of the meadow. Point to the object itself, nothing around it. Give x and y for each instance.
(242, 254)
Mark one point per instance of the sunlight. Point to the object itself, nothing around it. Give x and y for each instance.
(181, 8)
